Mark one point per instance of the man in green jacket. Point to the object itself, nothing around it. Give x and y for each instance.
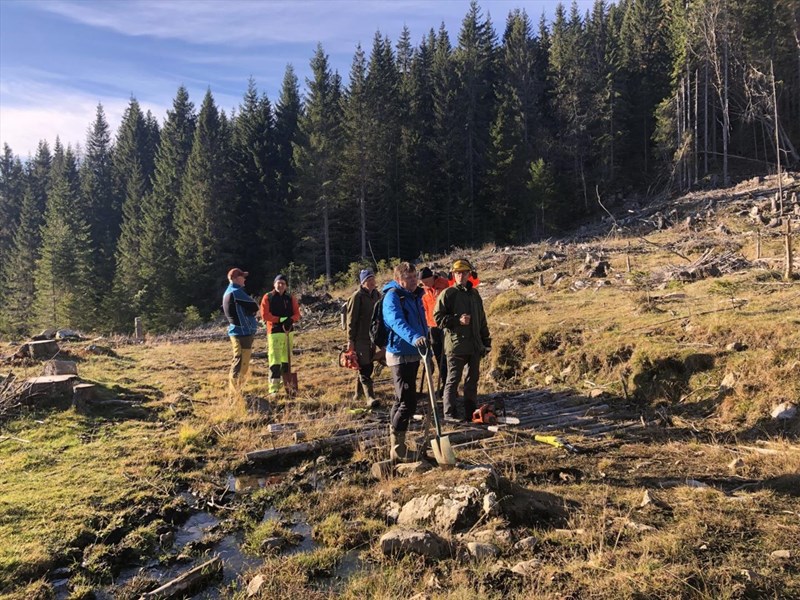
(359, 317)
(459, 312)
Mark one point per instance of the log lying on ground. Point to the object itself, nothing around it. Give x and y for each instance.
(192, 580)
(295, 452)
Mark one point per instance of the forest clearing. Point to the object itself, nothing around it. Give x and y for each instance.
(662, 348)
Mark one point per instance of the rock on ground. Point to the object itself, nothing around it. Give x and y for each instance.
(400, 542)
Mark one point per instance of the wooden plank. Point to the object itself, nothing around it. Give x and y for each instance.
(193, 580)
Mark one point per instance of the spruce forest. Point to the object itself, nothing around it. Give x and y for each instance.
(504, 133)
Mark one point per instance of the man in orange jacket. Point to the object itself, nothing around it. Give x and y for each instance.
(280, 312)
(432, 284)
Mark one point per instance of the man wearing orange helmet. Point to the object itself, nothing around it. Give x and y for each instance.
(459, 312)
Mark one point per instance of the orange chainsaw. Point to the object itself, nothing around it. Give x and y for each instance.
(485, 414)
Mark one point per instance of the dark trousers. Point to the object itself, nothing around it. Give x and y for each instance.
(437, 345)
(364, 380)
(404, 378)
(456, 363)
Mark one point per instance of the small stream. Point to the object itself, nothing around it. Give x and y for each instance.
(236, 562)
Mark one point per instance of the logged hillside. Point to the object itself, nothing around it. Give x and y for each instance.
(673, 319)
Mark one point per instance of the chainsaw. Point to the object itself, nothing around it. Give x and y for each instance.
(485, 415)
(348, 359)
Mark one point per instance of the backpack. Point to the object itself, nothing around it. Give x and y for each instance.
(378, 332)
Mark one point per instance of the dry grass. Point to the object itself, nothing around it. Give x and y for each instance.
(661, 351)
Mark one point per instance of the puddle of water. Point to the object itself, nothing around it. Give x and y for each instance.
(301, 527)
(195, 528)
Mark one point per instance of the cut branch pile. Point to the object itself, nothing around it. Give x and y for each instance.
(708, 265)
(11, 393)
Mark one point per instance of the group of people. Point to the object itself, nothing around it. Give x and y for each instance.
(279, 311)
(423, 313)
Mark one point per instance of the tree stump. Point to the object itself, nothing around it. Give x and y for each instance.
(82, 396)
(50, 390)
(42, 350)
(61, 367)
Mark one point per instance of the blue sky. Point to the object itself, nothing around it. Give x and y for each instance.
(59, 58)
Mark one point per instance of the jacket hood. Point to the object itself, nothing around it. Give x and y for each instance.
(393, 284)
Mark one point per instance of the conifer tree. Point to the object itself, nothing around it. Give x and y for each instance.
(416, 154)
(11, 192)
(474, 60)
(17, 269)
(357, 167)
(202, 221)
(63, 274)
(258, 216)
(317, 162)
(287, 115)
(157, 241)
(99, 201)
(448, 135)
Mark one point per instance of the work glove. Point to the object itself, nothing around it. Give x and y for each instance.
(286, 324)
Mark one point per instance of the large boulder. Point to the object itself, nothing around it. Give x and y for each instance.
(458, 510)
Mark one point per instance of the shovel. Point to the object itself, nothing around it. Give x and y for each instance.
(289, 378)
(442, 450)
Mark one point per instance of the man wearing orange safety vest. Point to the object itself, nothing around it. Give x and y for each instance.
(432, 284)
(280, 311)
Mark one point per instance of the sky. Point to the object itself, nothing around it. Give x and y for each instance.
(60, 58)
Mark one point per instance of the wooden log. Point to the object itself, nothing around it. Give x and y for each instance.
(193, 580)
(295, 452)
(61, 367)
(42, 350)
(53, 390)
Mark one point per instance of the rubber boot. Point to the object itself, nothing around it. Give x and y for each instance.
(372, 401)
(399, 452)
(359, 393)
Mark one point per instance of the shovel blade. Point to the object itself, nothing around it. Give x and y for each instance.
(443, 452)
(290, 383)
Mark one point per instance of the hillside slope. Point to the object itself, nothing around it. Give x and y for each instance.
(663, 313)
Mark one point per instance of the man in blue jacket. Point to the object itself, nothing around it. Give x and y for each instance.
(404, 318)
(240, 310)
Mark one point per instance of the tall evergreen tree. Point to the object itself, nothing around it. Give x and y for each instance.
(18, 284)
(287, 115)
(448, 127)
(475, 64)
(317, 162)
(416, 153)
(133, 166)
(357, 167)
(11, 192)
(99, 200)
(157, 237)
(63, 274)
(203, 220)
(259, 216)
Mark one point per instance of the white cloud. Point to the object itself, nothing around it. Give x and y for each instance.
(241, 22)
(33, 116)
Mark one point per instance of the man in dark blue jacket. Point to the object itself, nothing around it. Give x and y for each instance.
(404, 317)
(240, 310)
